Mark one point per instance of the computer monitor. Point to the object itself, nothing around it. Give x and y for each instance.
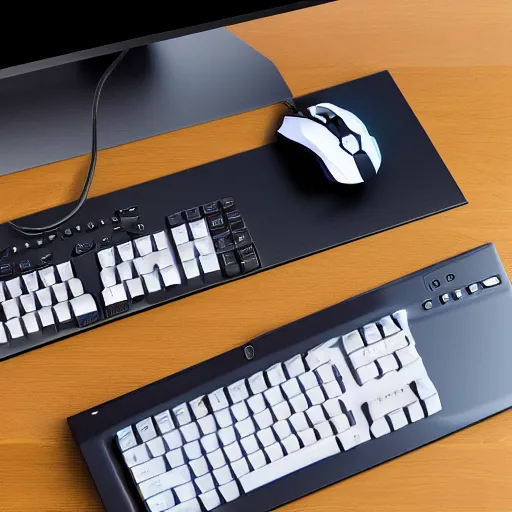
(182, 70)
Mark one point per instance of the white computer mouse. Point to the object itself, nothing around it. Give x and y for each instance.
(346, 151)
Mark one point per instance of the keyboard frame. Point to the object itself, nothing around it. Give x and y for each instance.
(469, 391)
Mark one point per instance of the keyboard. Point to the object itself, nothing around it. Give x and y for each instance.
(313, 402)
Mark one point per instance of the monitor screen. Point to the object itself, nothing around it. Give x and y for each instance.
(63, 40)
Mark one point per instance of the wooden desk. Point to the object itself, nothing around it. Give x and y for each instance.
(453, 62)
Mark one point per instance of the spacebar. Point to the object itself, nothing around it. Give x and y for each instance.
(290, 463)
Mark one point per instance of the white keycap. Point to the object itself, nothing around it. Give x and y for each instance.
(295, 366)
(245, 427)
(173, 439)
(371, 333)
(352, 437)
(31, 282)
(250, 444)
(125, 271)
(332, 389)
(205, 483)
(83, 305)
(199, 466)
(30, 323)
(186, 251)
(164, 422)
(175, 458)
(161, 240)
(112, 295)
(332, 407)
(182, 414)
(125, 251)
(282, 411)
(257, 459)
(378, 349)
(256, 403)
(308, 436)
(398, 419)
(207, 424)
(144, 245)
(65, 271)
(290, 463)
(340, 423)
(199, 229)
(188, 506)
(198, 406)
(388, 326)
(264, 419)
(324, 429)
(407, 355)
(273, 395)
(192, 450)
(47, 276)
(299, 421)
(352, 341)
(135, 288)
(204, 246)
(28, 303)
(391, 401)
(316, 414)
(433, 404)
(380, 427)
(415, 412)
(11, 309)
(210, 443)
(191, 269)
(229, 491)
(240, 468)
(161, 502)
(60, 291)
(308, 380)
(367, 372)
(275, 375)
(76, 287)
(126, 439)
(164, 259)
(154, 485)
(401, 318)
(180, 234)
(146, 429)
(282, 429)
(233, 451)
(316, 395)
(274, 452)
(3, 334)
(152, 281)
(170, 276)
(136, 455)
(325, 373)
(238, 391)
(45, 297)
(2, 291)
(291, 444)
(156, 447)
(387, 363)
(240, 411)
(317, 357)
(185, 492)
(227, 435)
(46, 317)
(14, 287)
(209, 263)
(299, 403)
(190, 432)
(257, 383)
(266, 436)
(223, 418)
(216, 459)
(291, 388)
(222, 475)
(14, 328)
(210, 499)
(148, 469)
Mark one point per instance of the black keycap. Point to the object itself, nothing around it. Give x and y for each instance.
(116, 309)
(82, 248)
(88, 319)
(52, 238)
(46, 258)
(242, 238)
(248, 259)
(105, 242)
(223, 244)
(5, 269)
(215, 222)
(91, 226)
(228, 204)
(192, 214)
(174, 220)
(25, 265)
(104, 222)
(210, 208)
(129, 217)
(235, 220)
(68, 232)
(114, 219)
(229, 264)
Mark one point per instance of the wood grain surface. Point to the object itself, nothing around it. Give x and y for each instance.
(453, 62)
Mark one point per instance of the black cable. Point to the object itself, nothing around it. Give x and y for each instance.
(37, 231)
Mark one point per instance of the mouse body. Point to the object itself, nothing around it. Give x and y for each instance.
(346, 151)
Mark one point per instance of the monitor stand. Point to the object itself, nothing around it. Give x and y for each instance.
(46, 115)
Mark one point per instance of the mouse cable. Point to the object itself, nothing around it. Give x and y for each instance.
(37, 231)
